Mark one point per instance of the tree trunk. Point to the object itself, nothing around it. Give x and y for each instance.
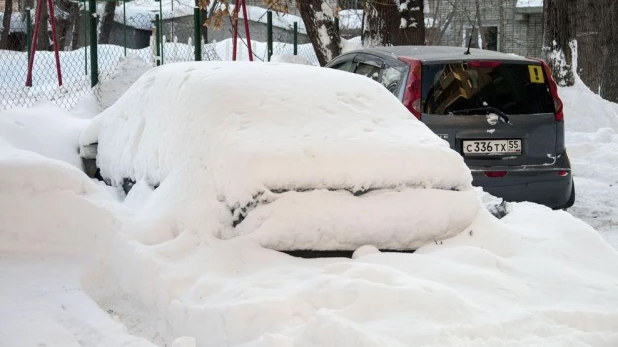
(394, 23)
(107, 21)
(559, 29)
(609, 30)
(76, 27)
(42, 43)
(589, 43)
(6, 24)
(320, 24)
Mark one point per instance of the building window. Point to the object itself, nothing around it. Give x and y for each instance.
(489, 39)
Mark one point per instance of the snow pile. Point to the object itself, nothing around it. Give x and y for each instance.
(45, 198)
(44, 129)
(592, 144)
(108, 91)
(49, 204)
(43, 305)
(291, 59)
(498, 283)
(586, 111)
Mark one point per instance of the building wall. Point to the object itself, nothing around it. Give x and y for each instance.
(516, 31)
(3, 4)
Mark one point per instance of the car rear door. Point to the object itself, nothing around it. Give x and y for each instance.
(495, 113)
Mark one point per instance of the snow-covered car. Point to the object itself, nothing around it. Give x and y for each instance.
(300, 157)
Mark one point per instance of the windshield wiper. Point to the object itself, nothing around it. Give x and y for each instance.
(503, 117)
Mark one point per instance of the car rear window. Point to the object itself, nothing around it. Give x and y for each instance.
(510, 88)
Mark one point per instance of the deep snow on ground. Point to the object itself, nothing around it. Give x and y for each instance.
(293, 169)
(42, 303)
(592, 144)
(535, 278)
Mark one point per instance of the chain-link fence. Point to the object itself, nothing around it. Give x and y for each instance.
(165, 32)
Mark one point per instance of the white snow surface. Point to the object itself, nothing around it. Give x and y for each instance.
(45, 129)
(289, 58)
(592, 144)
(535, 278)
(529, 3)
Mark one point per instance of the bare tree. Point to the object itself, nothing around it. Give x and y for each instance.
(319, 22)
(589, 43)
(609, 29)
(42, 43)
(76, 27)
(394, 22)
(559, 45)
(106, 23)
(6, 24)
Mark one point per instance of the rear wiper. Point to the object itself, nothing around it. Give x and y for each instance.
(503, 117)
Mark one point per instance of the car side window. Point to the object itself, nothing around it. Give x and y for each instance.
(369, 68)
(391, 77)
(343, 66)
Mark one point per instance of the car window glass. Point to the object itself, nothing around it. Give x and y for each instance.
(367, 69)
(391, 77)
(344, 66)
(510, 88)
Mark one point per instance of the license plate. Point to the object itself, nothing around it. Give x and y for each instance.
(492, 147)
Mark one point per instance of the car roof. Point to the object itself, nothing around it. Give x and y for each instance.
(441, 53)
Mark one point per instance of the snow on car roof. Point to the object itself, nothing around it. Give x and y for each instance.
(438, 53)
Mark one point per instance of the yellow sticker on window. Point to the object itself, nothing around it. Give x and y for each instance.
(536, 74)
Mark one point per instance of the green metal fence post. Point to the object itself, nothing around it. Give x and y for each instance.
(94, 68)
(158, 38)
(295, 38)
(197, 33)
(28, 31)
(124, 29)
(269, 33)
(161, 27)
(85, 15)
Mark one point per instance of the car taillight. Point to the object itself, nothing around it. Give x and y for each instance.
(563, 173)
(412, 96)
(484, 64)
(495, 174)
(553, 88)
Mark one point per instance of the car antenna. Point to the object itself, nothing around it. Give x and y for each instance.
(467, 52)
